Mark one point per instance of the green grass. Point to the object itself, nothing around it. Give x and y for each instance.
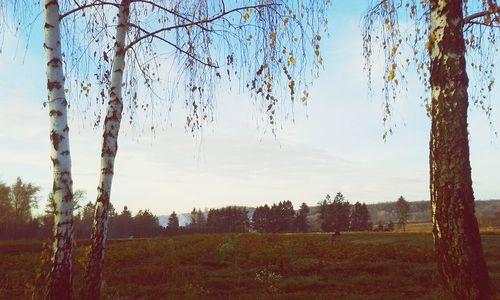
(254, 266)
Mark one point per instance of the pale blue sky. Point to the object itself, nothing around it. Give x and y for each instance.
(335, 143)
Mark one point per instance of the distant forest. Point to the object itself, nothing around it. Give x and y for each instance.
(329, 215)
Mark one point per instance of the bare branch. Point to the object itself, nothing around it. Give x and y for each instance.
(173, 45)
(205, 21)
(170, 12)
(470, 18)
(85, 6)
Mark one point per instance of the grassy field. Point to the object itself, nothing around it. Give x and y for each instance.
(254, 266)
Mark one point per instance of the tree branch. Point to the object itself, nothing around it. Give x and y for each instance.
(169, 11)
(150, 34)
(480, 14)
(484, 24)
(204, 21)
(85, 6)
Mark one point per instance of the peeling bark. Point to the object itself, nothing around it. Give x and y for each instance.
(460, 260)
(59, 279)
(109, 149)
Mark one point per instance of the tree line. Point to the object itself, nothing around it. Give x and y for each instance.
(337, 215)
(18, 222)
(18, 200)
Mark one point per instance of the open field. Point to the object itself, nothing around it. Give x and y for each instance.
(255, 266)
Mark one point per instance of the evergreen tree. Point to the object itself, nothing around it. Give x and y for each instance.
(173, 223)
(366, 224)
(260, 219)
(6, 211)
(334, 214)
(146, 224)
(301, 224)
(83, 221)
(228, 219)
(123, 225)
(360, 218)
(284, 216)
(198, 221)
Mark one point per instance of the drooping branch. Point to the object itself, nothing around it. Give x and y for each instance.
(173, 45)
(170, 11)
(199, 22)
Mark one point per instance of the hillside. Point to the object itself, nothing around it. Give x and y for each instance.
(487, 212)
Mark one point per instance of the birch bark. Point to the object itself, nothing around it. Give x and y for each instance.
(109, 149)
(59, 281)
(461, 264)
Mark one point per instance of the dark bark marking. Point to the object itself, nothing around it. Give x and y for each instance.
(54, 62)
(55, 113)
(56, 139)
(55, 161)
(53, 2)
(47, 47)
(53, 85)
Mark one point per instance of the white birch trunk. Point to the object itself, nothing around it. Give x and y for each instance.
(108, 154)
(59, 281)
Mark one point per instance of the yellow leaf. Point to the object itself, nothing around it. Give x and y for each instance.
(292, 60)
(427, 45)
(487, 21)
(391, 75)
(246, 16)
(394, 50)
(272, 36)
(285, 21)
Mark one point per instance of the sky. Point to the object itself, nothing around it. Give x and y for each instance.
(334, 144)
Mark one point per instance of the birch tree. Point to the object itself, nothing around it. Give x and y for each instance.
(262, 43)
(108, 153)
(20, 15)
(59, 285)
(441, 35)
